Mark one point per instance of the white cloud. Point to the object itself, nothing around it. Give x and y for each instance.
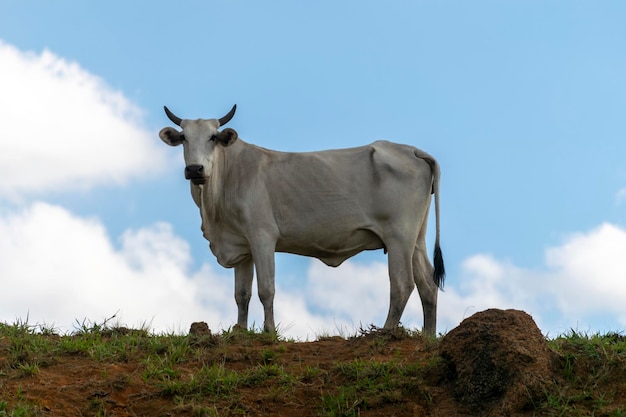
(57, 268)
(582, 285)
(336, 300)
(351, 292)
(590, 272)
(342, 300)
(487, 283)
(64, 128)
(294, 317)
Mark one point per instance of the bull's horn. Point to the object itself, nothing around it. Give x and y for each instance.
(229, 116)
(175, 119)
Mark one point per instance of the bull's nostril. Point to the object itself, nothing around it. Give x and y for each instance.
(194, 171)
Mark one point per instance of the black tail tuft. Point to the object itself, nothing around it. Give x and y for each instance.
(439, 275)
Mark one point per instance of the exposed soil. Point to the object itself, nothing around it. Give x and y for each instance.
(496, 363)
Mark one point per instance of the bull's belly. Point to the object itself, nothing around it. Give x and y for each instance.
(333, 249)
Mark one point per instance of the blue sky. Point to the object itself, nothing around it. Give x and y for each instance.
(521, 102)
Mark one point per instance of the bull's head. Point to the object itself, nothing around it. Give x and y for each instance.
(199, 138)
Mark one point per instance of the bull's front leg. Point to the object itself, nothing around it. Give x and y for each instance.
(244, 273)
(264, 263)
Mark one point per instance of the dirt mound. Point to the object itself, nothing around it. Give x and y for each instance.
(499, 362)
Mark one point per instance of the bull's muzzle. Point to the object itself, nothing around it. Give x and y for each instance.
(195, 173)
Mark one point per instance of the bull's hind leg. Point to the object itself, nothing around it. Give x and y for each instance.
(423, 275)
(401, 281)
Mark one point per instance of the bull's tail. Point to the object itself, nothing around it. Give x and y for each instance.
(439, 273)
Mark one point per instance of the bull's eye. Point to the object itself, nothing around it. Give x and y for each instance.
(213, 137)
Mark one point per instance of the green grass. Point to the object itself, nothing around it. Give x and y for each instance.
(195, 372)
(367, 385)
(592, 368)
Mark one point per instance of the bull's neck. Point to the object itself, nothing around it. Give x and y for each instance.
(207, 220)
(209, 197)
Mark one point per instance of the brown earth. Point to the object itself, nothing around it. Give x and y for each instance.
(496, 363)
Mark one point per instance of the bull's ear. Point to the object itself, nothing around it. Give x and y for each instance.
(171, 136)
(226, 137)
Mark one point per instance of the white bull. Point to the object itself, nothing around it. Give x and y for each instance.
(329, 205)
